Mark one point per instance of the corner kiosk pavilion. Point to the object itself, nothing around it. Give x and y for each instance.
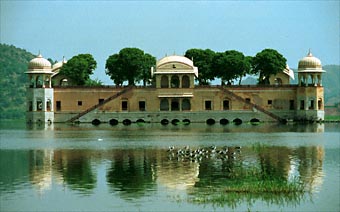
(173, 97)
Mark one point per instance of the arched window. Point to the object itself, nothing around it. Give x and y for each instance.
(278, 81)
(186, 104)
(39, 105)
(39, 81)
(174, 82)
(320, 107)
(164, 82)
(164, 105)
(185, 81)
(63, 82)
(175, 104)
(48, 105)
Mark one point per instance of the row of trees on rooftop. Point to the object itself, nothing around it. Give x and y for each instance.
(133, 65)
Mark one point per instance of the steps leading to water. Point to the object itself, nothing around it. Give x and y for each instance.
(100, 104)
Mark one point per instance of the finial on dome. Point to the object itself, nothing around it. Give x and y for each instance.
(309, 53)
(39, 55)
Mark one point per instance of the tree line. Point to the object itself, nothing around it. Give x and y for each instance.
(132, 65)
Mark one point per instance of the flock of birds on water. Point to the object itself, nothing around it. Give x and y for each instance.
(196, 155)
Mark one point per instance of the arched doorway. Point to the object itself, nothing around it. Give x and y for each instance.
(164, 105)
(174, 82)
(185, 81)
(186, 104)
(164, 82)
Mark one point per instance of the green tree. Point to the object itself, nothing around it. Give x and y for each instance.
(229, 65)
(148, 62)
(114, 69)
(266, 63)
(203, 59)
(79, 68)
(130, 64)
(95, 82)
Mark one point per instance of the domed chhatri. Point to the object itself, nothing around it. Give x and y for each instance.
(310, 71)
(39, 63)
(310, 63)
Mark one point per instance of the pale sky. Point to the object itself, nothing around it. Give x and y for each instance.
(102, 28)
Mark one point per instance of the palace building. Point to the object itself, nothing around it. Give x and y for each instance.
(174, 98)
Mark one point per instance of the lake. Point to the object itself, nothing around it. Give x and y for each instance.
(248, 167)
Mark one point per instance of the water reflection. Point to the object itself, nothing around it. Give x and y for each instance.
(275, 174)
(131, 172)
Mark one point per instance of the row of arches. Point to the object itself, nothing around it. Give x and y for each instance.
(175, 81)
(210, 121)
(175, 104)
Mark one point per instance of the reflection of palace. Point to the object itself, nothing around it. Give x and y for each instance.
(174, 97)
(135, 172)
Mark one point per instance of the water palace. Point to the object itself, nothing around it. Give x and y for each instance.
(174, 97)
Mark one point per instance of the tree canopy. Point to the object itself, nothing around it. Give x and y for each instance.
(203, 59)
(130, 64)
(266, 63)
(79, 68)
(230, 65)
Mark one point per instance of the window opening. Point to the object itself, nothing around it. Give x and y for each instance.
(124, 105)
(142, 105)
(208, 105)
(164, 82)
(175, 105)
(186, 104)
(58, 105)
(174, 82)
(39, 105)
(291, 104)
(185, 81)
(226, 105)
(48, 105)
(164, 105)
(302, 105)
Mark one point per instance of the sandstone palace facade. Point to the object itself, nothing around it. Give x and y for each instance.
(174, 97)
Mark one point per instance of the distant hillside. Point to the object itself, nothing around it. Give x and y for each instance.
(13, 64)
(331, 83)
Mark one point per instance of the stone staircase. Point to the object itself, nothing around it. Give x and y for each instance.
(257, 107)
(100, 104)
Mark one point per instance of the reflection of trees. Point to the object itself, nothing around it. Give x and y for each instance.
(131, 172)
(75, 169)
(14, 168)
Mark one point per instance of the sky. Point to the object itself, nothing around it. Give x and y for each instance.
(160, 28)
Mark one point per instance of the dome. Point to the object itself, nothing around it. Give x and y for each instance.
(309, 62)
(175, 59)
(39, 63)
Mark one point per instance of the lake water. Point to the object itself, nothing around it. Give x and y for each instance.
(129, 168)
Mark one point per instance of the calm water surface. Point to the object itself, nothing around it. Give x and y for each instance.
(129, 168)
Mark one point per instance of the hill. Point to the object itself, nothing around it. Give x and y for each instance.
(13, 64)
(331, 83)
